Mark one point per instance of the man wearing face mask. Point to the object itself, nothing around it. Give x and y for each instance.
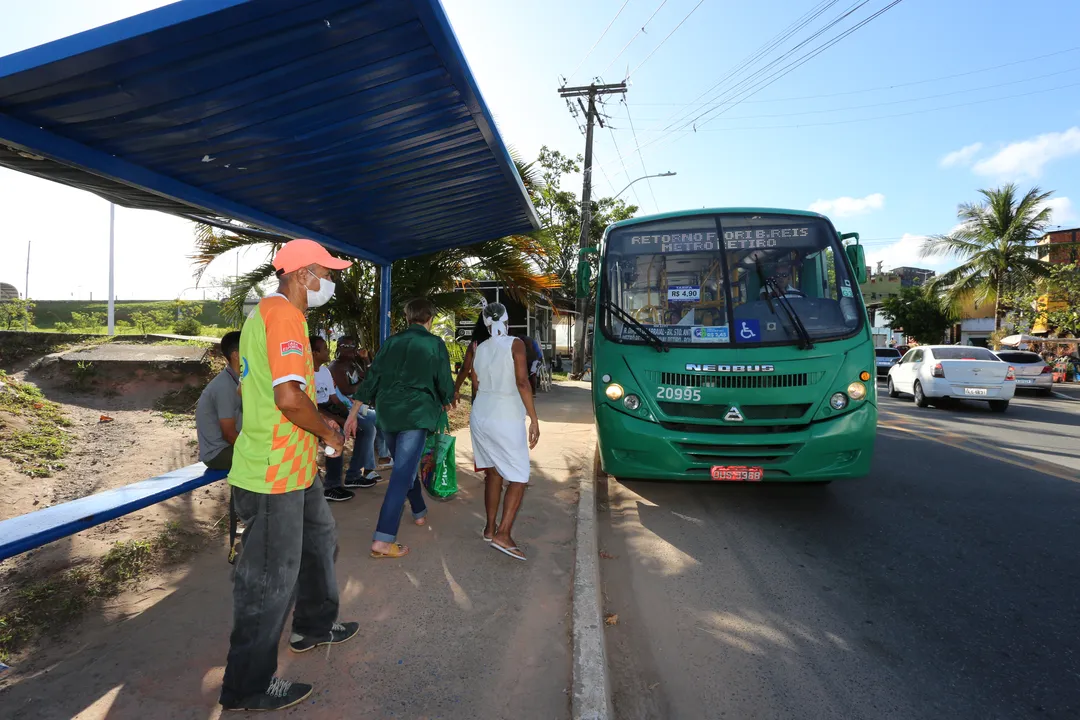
(290, 539)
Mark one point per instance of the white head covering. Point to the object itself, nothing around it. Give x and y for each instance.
(496, 319)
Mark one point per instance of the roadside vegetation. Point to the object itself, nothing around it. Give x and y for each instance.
(32, 429)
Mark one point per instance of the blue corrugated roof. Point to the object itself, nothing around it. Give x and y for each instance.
(355, 123)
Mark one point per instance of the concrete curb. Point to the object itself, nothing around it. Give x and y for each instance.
(591, 697)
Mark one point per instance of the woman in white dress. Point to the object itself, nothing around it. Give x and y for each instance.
(500, 442)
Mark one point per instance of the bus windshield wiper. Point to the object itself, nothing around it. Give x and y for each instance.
(645, 333)
(805, 341)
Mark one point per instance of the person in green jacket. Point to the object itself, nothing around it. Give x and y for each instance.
(410, 385)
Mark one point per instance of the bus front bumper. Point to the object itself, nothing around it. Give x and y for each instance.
(834, 449)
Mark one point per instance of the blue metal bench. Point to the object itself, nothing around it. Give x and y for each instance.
(35, 529)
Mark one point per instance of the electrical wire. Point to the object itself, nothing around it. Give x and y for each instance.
(640, 30)
(648, 180)
(692, 11)
(885, 87)
(900, 102)
(622, 159)
(621, 8)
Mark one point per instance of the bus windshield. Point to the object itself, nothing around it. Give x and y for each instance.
(720, 279)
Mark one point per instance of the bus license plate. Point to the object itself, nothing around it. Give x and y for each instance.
(737, 473)
(975, 391)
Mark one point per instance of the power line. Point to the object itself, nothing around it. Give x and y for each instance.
(648, 180)
(640, 30)
(883, 87)
(623, 7)
(762, 84)
(899, 102)
(765, 48)
(754, 83)
(622, 159)
(883, 117)
(700, 2)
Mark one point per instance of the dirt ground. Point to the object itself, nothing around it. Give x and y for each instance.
(137, 443)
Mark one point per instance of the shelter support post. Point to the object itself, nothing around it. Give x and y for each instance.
(384, 303)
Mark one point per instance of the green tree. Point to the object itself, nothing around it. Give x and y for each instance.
(1062, 288)
(560, 219)
(15, 313)
(144, 322)
(918, 314)
(996, 240)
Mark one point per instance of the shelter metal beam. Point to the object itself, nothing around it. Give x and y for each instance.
(36, 141)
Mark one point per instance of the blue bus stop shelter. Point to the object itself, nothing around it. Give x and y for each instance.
(357, 124)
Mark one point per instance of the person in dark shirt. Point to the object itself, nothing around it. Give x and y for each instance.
(411, 388)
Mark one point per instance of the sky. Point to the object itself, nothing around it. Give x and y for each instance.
(886, 132)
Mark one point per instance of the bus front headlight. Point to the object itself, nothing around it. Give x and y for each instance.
(632, 402)
(838, 401)
(614, 391)
(856, 391)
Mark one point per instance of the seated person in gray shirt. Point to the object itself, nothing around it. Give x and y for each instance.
(218, 414)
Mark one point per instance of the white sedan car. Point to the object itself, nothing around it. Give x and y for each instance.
(931, 372)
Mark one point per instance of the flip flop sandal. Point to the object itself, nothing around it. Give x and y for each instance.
(486, 538)
(397, 550)
(513, 552)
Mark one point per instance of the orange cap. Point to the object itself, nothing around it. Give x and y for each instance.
(297, 254)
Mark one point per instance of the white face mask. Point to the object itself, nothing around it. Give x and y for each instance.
(318, 298)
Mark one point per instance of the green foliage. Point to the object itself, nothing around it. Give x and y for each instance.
(1062, 287)
(996, 241)
(918, 314)
(50, 312)
(83, 374)
(560, 218)
(144, 322)
(37, 442)
(188, 326)
(16, 313)
(89, 322)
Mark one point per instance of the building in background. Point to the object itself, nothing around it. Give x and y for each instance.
(8, 292)
(1050, 250)
(883, 285)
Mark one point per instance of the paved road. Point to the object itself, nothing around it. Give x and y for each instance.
(946, 585)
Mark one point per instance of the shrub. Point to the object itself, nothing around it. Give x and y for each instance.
(188, 326)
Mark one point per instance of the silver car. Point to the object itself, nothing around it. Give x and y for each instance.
(1032, 372)
(885, 358)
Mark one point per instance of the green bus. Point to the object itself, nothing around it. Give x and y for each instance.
(733, 344)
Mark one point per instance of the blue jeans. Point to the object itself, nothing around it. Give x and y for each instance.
(363, 456)
(406, 447)
(380, 444)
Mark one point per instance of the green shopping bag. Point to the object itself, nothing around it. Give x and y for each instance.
(438, 466)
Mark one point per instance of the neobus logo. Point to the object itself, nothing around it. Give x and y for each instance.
(729, 368)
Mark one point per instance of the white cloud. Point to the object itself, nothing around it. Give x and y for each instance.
(1027, 158)
(905, 252)
(963, 156)
(1063, 210)
(848, 206)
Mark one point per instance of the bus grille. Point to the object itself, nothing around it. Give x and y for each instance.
(750, 412)
(734, 382)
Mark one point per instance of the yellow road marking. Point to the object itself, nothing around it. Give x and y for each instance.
(977, 448)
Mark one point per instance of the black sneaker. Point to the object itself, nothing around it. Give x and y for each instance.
(338, 494)
(339, 633)
(279, 695)
(365, 482)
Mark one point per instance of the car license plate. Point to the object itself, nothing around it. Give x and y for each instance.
(1025, 381)
(737, 473)
(974, 391)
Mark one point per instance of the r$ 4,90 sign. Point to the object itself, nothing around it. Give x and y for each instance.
(684, 292)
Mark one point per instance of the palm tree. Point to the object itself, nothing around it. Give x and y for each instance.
(509, 260)
(996, 240)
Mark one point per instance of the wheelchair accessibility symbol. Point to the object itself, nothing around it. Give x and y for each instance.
(749, 330)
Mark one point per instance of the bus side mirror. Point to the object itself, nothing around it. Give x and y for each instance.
(857, 255)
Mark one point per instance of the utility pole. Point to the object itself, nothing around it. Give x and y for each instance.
(591, 92)
(112, 243)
